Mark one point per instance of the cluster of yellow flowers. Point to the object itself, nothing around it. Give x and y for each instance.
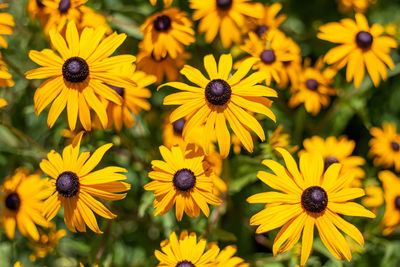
(82, 75)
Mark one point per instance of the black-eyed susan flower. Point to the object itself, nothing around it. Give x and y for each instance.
(272, 53)
(3, 102)
(314, 87)
(360, 47)
(36, 10)
(181, 181)
(279, 138)
(219, 98)
(78, 77)
(167, 3)
(225, 258)
(385, 146)
(6, 25)
(186, 252)
(391, 185)
(337, 150)
(47, 242)
(5, 76)
(309, 197)
(373, 197)
(163, 67)
(291, 69)
(92, 19)
(60, 12)
(134, 97)
(74, 185)
(346, 6)
(167, 32)
(269, 22)
(226, 17)
(22, 199)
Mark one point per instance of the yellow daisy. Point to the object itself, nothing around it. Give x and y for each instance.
(385, 146)
(222, 97)
(224, 16)
(308, 197)
(291, 69)
(167, 3)
(391, 185)
(165, 66)
(225, 258)
(279, 138)
(22, 198)
(183, 181)
(5, 76)
(7, 24)
(314, 87)
(373, 197)
(47, 242)
(92, 19)
(337, 150)
(271, 53)
(167, 32)
(269, 22)
(36, 10)
(74, 186)
(360, 47)
(186, 252)
(60, 12)
(346, 6)
(78, 75)
(3, 102)
(134, 98)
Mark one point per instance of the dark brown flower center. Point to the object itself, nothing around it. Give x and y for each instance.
(397, 202)
(218, 92)
(224, 4)
(395, 146)
(261, 29)
(312, 84)
(184, 180)
(328, 161)
(364, 39)
(162, 23)
(67, 184)
(64, 6)
(39, 3)
(314, 199)
(185, 264)
(75, 70)
(178, 126)
(268, 56)
(13, 202)
(118, 90)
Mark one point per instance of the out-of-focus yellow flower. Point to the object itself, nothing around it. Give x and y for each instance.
(281, 139)
(6, 25)
(47, 242)
(346, 6)
(373, 197)
(391, 186)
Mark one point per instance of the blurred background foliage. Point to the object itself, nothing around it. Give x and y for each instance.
(130, 239)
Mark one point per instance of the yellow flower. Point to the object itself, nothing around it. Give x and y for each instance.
(309, 197)
(272, 53)
(92, 19)
(183, 181)
(222, 97)
(385, 146)
(373, 197)
(7, 24)
(291, 69)
(36, 10)
(5, 76)
(281, 139)
(313, 88)
(167, 3)
(269, 22)
(134, 97)
(391, 185)
(47, 242)
(165, 66)
(60, 12)
(17, 264)
(356, 5)
(3, 102)
(22, 199)
(337, 150)
(167, 32)
(186, 252)
(360, 47)
(225, 258)
(226, 17)
(77, 77)
(74, 186)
